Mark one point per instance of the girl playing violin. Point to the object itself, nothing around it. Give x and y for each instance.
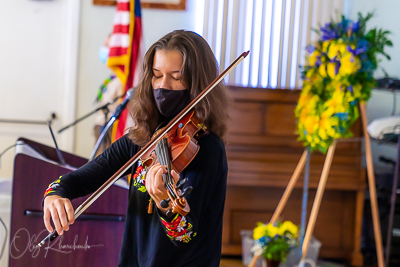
(176, 69)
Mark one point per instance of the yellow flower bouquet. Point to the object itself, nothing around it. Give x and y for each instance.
(274, 241)
(337, 76)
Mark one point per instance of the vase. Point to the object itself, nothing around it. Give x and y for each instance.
(272, 263)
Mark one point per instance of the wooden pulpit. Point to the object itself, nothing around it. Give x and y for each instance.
(93, 240)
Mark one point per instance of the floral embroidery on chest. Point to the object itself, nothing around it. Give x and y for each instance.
(139, 180)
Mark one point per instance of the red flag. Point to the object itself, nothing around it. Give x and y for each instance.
(125, 57)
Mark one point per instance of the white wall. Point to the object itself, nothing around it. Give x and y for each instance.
(96, 24)
(36, 72)
(33, 68)
(386, 13)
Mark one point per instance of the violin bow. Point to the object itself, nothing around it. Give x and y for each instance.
(89, 201)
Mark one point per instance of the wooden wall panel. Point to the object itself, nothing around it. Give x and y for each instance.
(246, 118)
(280, 120)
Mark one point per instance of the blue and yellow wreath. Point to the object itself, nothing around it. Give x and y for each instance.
(337, 76)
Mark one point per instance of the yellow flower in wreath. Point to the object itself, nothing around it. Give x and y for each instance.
(331, 69)
(335, 104)
(349, 97)
(316, 78)
(322, 70)
(311, 124)
(325, 46)
(313, 57)
(304, 98)
(330, 131)
(325, 123)
(322, 133)
(357, 90)
(312, 103)
(310, 73)
(303, 115)
(337, 49)
(349, 64)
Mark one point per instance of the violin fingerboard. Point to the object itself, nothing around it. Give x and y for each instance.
(163, 157)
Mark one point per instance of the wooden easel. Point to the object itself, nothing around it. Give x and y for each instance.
(321, 189)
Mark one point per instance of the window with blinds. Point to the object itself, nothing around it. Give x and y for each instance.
(275, 31)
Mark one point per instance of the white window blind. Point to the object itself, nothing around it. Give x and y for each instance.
(275, 31)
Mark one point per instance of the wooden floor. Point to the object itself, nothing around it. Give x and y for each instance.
(237, 262)
(231, 262)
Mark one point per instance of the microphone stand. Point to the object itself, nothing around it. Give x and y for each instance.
(104, 108)
(113, 118)
(101, 137)
(107, 138)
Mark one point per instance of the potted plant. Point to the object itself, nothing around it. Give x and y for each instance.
(274, 241)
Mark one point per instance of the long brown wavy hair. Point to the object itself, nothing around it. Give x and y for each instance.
(199, 70)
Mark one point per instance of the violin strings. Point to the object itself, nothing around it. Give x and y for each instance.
(168, 163)
(162, 151)
(165, 160)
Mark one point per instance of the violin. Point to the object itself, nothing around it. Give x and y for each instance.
(173, 125)
(176, 150)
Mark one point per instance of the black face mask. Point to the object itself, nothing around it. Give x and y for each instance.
(171, 102)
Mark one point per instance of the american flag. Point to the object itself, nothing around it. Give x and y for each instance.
(126, 57)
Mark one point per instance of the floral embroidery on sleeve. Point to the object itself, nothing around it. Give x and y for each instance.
(179, 229)
(139, 180)
(52, 186)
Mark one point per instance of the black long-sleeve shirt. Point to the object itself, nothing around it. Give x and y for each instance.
(150, 239)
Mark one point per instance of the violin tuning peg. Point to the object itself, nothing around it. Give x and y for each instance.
(181, 183)
(187, 191)
(169, 213)
(165, 203)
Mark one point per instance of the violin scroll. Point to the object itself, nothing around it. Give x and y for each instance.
(165, 203)
(179, 204)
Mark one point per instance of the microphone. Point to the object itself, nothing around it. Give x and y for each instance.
(123, 105)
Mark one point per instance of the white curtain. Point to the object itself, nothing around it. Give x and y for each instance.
(275, 31)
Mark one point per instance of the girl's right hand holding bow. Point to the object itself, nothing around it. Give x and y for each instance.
(60, 210)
